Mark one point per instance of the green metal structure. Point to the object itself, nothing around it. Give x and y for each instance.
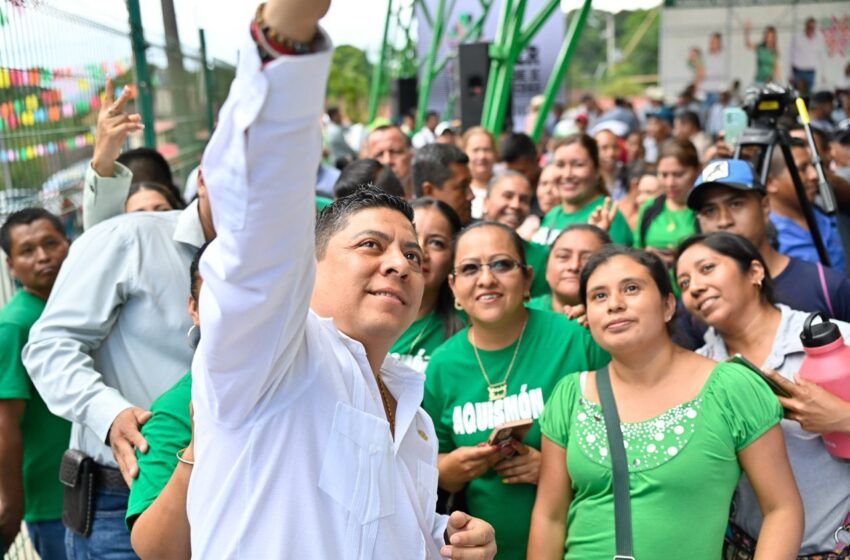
(512, 37)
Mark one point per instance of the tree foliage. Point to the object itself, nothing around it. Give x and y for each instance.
(348, 83)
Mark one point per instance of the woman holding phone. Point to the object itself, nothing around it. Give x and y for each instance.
(724, 284)
(436, 226)
(499, 369)
(689, 427)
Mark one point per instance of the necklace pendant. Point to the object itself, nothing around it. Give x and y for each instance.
(497, 391)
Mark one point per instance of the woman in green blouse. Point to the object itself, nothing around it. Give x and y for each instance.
(767, 55)
(501, 368)
(436, 226)
(689, 425)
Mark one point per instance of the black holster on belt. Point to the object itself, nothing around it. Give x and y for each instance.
(76, 474)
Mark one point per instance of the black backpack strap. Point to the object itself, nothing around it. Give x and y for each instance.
(619, 467)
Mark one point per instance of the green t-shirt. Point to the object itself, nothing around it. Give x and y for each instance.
(321, 202)
(168, 430)
(765, 63)
(543, 303)
(415, 345)
(556, 220)
(667, 229)
(683, 466)
(45, 436)
(456, 397)
(536, 255)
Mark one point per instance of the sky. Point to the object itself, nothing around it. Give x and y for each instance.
(352, 22)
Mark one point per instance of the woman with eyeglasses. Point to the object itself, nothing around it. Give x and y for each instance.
(499, 369)
(689, 427)
(436, 226)
(725, 284)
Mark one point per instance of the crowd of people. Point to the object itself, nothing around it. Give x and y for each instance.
(307, 357)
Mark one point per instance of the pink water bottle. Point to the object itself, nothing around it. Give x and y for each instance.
(827, 363)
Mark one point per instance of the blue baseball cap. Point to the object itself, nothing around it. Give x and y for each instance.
(664, 113)
(733, 173)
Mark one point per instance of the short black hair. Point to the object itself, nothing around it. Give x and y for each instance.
(652, 263)
(332, 111)
(147, 165)
(431, 163)
(739, 249)
(517, 241)
(176, 203)
(689, 117)
(367, 171)
(194, 273)
(515, 146)
(23, 218)
(334, 216)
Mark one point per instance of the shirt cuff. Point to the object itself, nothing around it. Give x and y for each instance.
(104, 407)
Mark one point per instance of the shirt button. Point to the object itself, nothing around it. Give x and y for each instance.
(374, 449)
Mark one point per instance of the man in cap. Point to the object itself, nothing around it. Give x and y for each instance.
(728, 197)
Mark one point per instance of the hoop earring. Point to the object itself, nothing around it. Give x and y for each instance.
(759, 283)
(526, 296)
(458, 306)
(193, 337)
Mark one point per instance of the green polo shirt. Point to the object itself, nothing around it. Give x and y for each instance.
(45, 436)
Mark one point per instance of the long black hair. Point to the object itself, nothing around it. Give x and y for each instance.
(445, 300)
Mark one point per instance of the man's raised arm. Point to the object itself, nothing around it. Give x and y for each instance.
(259, 169)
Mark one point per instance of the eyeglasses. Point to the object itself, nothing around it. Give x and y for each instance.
(499, 267)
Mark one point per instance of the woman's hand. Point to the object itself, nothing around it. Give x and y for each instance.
(718, 150)
(464, 464)
(113, 127)
(816, 409)
(603, 216)
(524, 467)
(578, 313)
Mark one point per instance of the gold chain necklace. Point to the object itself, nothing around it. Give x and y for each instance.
(385, 400)
(499, 390)
(419, 336)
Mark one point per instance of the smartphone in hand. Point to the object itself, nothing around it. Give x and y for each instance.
(774, 386)
(503, 434)
(734, 123)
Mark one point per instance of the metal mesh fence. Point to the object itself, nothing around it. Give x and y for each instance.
(53, 67)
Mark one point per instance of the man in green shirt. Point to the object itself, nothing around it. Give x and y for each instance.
(32, 440)
(508, 201)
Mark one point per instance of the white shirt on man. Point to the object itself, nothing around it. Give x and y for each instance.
(293, 452)
(716, 72)
(807, 53)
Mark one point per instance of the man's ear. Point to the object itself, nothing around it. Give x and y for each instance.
(765, 208)
(428, 188)
(770, 186)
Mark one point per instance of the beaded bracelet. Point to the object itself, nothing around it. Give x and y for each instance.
(181, 459)
(274, 45)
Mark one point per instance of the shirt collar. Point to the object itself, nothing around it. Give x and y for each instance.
(391, 368)
(189, 229)
(787, 340)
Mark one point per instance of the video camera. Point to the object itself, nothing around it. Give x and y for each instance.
(765, 108)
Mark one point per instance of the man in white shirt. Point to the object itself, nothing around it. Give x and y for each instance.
(716, 70)
(427, 134)
(309, 440)
(807, 53)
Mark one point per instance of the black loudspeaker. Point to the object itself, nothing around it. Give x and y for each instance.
(474, 69)
(404, 96)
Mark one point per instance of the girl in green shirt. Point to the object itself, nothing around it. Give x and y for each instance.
(689, 425)
(570, 251)
(576, 159)
(436, 226)
(767, 55)
(665, 221)
(501, 368)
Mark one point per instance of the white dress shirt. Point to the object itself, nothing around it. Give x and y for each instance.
(294, 457)
(807, 53)
(113, 332)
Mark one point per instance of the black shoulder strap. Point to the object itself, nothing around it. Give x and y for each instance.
(652, 211)
(619, 467)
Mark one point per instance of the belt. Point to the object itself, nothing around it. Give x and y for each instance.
(108, 478)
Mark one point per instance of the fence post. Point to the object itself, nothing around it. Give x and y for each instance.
(207, 79)
(143, 80)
